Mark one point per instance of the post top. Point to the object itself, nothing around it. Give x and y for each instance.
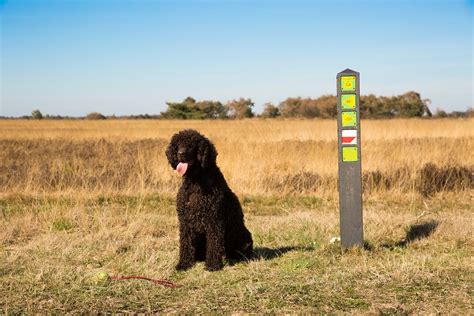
(348, 72)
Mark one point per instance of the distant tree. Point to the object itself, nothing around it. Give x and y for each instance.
(270, 111)
(291, 107)
(189, 108)
(470, 112)
(440, 113)
(182, 110)
(458, 114)
(95, 116)
(212, 109)
(372, 106)
(298, 107)
(241, 108)
(326, 105)
(410, 104)
(36, 115)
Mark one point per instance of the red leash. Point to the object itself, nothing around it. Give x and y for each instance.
(156, 281)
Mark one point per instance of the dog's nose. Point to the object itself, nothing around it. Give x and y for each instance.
(181, 153)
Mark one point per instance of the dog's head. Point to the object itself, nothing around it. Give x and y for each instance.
(190, 152)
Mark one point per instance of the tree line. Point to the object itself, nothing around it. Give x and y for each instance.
(409, 104)
(406, 105)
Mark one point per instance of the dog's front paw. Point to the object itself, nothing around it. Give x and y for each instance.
(215, 266)
(182, 266)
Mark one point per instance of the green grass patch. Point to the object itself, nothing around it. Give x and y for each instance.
(62, 223)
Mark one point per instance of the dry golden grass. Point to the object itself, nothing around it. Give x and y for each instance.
(251, 130)
(79, 197)
(51, 249)
(256, 156)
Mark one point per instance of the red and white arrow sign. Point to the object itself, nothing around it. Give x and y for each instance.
(349, 137)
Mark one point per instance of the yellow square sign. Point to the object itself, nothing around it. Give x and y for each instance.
(349, 119)
(348, 101)
(348, 83)
(349, 154)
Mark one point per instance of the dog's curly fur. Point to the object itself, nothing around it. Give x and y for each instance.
(211, 222)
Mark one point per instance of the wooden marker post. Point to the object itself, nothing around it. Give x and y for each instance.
(350, 180)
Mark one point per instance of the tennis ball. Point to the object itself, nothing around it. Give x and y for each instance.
(101, 278)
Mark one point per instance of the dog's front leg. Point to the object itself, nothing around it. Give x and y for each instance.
(215, 249)
(186, 248)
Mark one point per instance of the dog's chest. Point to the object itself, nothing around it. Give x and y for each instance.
(199, 206)
(199, 203)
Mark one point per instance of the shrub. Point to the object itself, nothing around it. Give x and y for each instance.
(241, 108)
(95, 116)
(433, 179)
(189, 108)
(441, 113)
(270, 111)
(324, 106)
(36, 115)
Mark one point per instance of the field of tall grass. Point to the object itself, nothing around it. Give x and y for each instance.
(258, 157)
(78, 198)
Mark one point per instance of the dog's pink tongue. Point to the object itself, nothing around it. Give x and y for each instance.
(181, 168)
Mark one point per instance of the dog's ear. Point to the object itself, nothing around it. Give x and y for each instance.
(207, 153)
(172, 151)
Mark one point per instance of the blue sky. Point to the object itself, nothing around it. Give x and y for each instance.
(130, 57)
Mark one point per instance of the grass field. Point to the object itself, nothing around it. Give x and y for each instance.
(81, 197)
(269, 157)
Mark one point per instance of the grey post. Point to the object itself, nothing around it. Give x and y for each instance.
(350, 180)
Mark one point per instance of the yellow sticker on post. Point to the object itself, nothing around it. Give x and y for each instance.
(348, 101)
(348, 83)
(349, 119)
(349, 154)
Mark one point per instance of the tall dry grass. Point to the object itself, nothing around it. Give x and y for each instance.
(257, 156)
(252, 130)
